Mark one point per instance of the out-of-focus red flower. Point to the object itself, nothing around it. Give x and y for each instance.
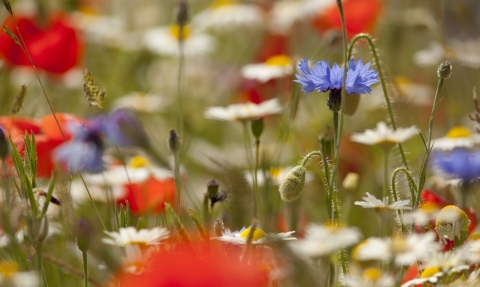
(411, 273)
(55, 47)
(47, 136)
(360, 16)
(149, 196)
(196, 267)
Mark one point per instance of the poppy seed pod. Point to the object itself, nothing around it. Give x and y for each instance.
(292, 186)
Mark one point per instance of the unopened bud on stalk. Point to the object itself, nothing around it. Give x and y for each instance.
(326, 142)
(350, 182)
(452, 223)
(444, 70)
(174, 142)
(181, 13)
(83, 236)
(212, 188)
(3, 145)
(257, 127)
(292, 186)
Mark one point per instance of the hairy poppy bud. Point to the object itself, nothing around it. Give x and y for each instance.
(292, 186)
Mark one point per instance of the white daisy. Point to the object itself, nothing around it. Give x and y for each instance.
(244, 112)
(456, 137)
(471, 251)
(228, 15)
(284, 14)
(430, 275)
(142, 102)
(465, 53)
(423, 215)
(274, 67)
(447, 262)
(275, 175)
(322, 240)
(165, 41)
(10, 275)
(135, 260)
(372, 277)
(259, 236)
(130, 235)
(402, 251)
(139, 169)
(383, 135)
(372, 202)
(100, 29)
(452, 222)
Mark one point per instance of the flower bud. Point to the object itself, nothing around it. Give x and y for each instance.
(212, 188)
(181, 13)
(292, 186)
(326, 142)
(257, 127)
(3, 145)
(83, 236)
(350, 182)
(444, 70)
(174, 142)
(452, 223)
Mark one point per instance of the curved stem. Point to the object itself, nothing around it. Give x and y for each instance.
(382, 82)
(413, 186)
(309, 155)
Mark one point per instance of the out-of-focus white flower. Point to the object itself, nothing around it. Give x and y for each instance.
(471, 251)
(430, 275)
(275, 174)
(452, 222)
(225, 15)
(372, 277)
(471, 281)
(135, 260)
(274, 67)
(100, 29)
(402, 251)
(130, 235)
(165, 41)
(465, 53)
(370, 201)
(142, 102)
(423, 215)
(383, 135)
(10, 275)
(322, 240)
(259, 236)
(244, 112)
(457, 137)
(350, 182)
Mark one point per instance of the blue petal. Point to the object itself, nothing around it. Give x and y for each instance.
(360, 78)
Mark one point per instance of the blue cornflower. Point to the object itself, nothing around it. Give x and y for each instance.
(458, 163)
(123, 128)
(322, 78)
(84, 153)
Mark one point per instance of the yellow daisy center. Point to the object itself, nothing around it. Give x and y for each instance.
(257, 234)
(8, 268)
(279, 60)
(223, 3)
(474, 236)
(139, 161)
(175, 31)
(458, 132)
(402, 80)
(275, 171)
(372, 274)
(400, 246)
(429, 272)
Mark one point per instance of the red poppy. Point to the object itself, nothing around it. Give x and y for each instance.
(55, 47)
(360, 16)
(196, 266)
(149, 196)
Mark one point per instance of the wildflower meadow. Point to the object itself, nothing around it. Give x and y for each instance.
(235, 143)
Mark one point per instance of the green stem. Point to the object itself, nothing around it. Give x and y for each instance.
(421, 180)
(85, 268)
(385, 192)
(39, 253)
(93, 202)
(181, 61)
(411, 183)
(382, 82)
(248, 150)
(255, 180)
(309, 155)
(178, 185)
(333, 180)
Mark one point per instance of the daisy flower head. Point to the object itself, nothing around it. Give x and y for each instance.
(130, 235)
(372, 277)
(142, 102)
(274, 67)
(244, 112)
(323, 240)
(10, 275)
(429, 275)
(457, 137)
(226, 15)
(452, 224)
(423, 215)
(259, 236)
(402, 251)
(384, 136)
(165, 41)
(370, 201)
